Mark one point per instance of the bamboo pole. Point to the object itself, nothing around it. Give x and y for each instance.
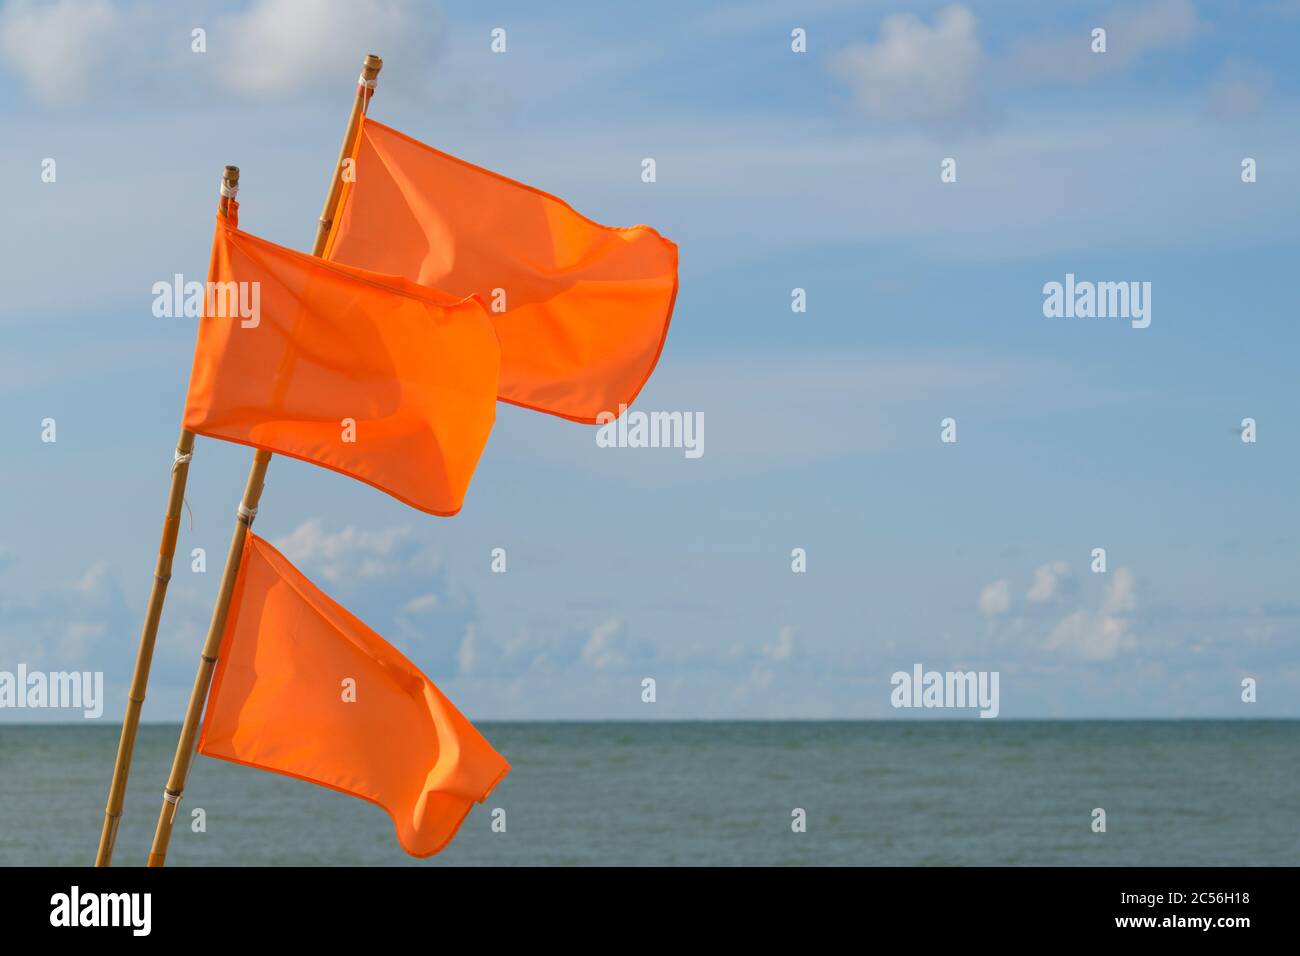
(369, 73)
(153, 614)
(247, 510)
(144, 654)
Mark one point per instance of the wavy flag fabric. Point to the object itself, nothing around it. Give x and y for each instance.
(370, 375)
(586, 306)
(280, 702)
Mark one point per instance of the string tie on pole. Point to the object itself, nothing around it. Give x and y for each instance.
(174, 799)
(247, 513)
(229, 191)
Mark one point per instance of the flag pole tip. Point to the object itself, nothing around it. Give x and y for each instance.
(373, 64)
(231, 175)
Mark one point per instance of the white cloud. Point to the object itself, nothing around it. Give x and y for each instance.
(421, 604)
(1102, 634)
(1121, 597)
(1088, 635)
(941, 73)
(349, 553)
(58, 48)
(755, 684)
(602, 652)
(467, 656)
(996, 598)
(914, 71)
(1095, 633)
(286, 46)
(1048, 580)
(93, 580)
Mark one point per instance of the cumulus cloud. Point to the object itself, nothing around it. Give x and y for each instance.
(70, 50)
(769, 660)
(94, 580)
(1102, 634)
(1089, 635)
(58, 48)
(996, 598)
(421, 604)
(940, 73)
(286, 46)
(609, 648)
(915, 71)
(1121, 596)
(1048, 582)
(1099, 630)
(602, 650)
(605, 648)
(345, 554)
(467, 655)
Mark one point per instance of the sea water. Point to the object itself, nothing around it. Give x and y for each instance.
(902, 792)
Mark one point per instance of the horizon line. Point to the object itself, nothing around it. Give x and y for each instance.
(747, 720)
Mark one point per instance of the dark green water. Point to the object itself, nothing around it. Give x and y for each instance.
(894, 793)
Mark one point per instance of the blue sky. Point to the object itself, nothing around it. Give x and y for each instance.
(776, 170)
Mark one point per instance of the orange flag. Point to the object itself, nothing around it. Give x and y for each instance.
(371, 375)
(586, 306)
(280, 702)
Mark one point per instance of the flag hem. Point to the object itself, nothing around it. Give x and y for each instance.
(206, 433)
